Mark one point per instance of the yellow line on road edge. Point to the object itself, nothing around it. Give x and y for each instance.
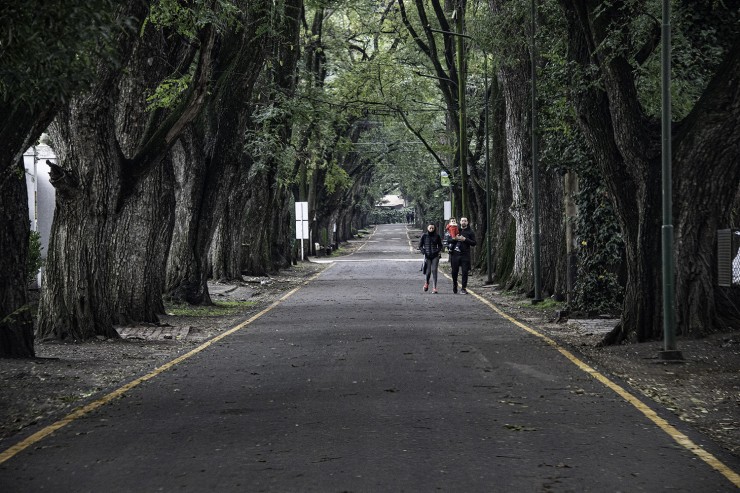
(363, 245)
(82, 411)
(411, 246)
(673, 432)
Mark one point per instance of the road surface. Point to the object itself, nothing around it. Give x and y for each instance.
(359, 381)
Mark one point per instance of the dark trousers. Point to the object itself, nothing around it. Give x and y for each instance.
(458, 262)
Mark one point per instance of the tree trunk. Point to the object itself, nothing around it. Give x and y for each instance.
(259, 210)
(16, 326)
(210, 246)
(514, 81)
(113, 218)
(625, 145)
(571, 234)
(503, 234)
(625, 142)
(709, 136)
(20, 129)
(187, 275)
(105, 263)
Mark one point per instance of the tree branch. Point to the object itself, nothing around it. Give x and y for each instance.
(421, 138)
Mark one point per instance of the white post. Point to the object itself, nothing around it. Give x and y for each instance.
(301, 223)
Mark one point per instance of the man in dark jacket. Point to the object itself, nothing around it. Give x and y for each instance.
(461, 260)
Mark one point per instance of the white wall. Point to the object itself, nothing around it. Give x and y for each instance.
(41, 194)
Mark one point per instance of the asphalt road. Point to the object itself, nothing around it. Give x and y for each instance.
(359, 382)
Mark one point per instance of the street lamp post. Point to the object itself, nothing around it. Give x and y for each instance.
(489, 279)
(535, 169)
(463, 140)
(670, 352)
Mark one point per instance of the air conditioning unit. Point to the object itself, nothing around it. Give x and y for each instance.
(728, 257)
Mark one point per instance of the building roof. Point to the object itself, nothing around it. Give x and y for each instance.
(392, 201)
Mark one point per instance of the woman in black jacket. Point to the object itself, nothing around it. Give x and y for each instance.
(430, 245)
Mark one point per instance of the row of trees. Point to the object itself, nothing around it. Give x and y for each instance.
(598, 66)
(173, 123)
(186, 129)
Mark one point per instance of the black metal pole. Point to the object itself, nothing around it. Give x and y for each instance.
(669, 321)
(535, 168)
(489, 279)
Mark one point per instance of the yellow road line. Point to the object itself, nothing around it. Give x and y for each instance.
(82, 411)
(365, 243)
(669, 429)
(411, 246)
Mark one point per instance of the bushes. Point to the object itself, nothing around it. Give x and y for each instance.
(34, 256)
(381, 215)
(597, 288)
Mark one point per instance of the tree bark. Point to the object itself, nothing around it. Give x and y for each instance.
(214, 245)
(629, 160)
(186, 274)
(16, 325)
(20, 129)
(253, 227)
(626, 145)
(113, 217)
(709, 136)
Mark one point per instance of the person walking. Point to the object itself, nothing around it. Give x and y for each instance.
(430, 245)
(460, 259)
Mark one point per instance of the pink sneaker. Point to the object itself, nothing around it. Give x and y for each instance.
(434, 291)
(426, 286)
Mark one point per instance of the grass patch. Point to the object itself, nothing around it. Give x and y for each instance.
(218, 309)
(337, 252)
(547, 304)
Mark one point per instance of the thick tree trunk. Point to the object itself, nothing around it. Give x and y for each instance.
(16, 326)
(105, 263)
(210, 243)
(282, 254)
(186, 278)
(19, 130)
(503, 230)
(571, 234)
(515, 77)
(259, 210)
(113, 218)
(552, 233)
(253, 223)
(625, 142)
(236, 231)
(626, 148)
(709, 136)
(518, 151)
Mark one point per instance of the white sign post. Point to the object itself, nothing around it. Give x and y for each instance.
(301, 223)
(448, 210)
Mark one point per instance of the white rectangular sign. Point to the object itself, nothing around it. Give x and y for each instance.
(448, 210)
(301, 211)
(301, 221)
(301, 230)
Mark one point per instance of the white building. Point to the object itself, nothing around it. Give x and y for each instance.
(392, 202)
(41, 194)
